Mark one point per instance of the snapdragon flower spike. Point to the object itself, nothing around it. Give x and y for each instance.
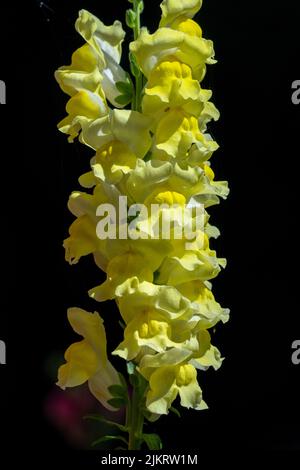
(160, 155)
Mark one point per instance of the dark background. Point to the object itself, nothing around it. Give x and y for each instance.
(254, 397)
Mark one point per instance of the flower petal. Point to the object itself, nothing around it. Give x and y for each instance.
(82, 363)
(101, 381)
(172, 9)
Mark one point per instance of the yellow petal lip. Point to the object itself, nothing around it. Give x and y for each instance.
(83, 109)
(83, 73)
(101, 129)
(187, 26)
(90, 326)
(171, 85)
(166, 382)
(173, 9)
(82, 363)
(176, 133)
(115, 160)
(82, 240)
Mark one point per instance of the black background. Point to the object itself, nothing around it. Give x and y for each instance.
(254, 397)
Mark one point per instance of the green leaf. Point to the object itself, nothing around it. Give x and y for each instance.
(101, 419)
(109, 438)
(130, 18)
(134, 65)
(117, 402)
(152, 417)
(153, 441)
(124, 87)
(118, 391)
(123, 100)
(175, 411)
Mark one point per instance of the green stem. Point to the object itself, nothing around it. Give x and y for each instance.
(135, 416)
(139, 78)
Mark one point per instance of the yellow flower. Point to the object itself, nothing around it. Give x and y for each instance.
(82, 74)
(119, 269)
(171, 85)
(149, 330)
(170, 374)
(134, 296)
(129, 127)
(111, 162)
(199, 262)
(82, 240)
(166, 43)
(83, 108)
(208, 310)
(167, 382)
(174, 372)
(106, 41)
(153, 177)
(174, 9)
(87, 360)
(176, 132)
(206, 355)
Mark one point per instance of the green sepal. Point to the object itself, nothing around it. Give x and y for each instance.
(108, 438)
(125, 87)
(153, 441)
(101, 419)
(135, 70)
(117, 402)
(123, 100)
(175, 411)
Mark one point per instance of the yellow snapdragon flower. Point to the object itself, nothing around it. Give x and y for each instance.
(171, 85)
(86, 361)
(167, 43)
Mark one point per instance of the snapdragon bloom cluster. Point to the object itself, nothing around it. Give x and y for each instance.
(158, 154)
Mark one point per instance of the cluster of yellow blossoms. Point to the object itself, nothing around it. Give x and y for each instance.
(157, 155)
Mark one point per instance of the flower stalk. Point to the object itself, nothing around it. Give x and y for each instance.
(138, 8)
(135, 412)
(158, 153)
